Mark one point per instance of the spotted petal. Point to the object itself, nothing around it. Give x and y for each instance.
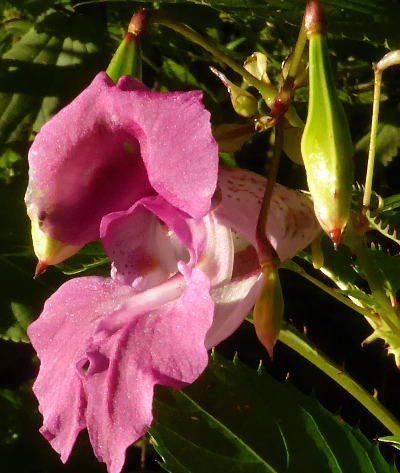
(291, 221)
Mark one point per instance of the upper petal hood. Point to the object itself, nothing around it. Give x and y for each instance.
(113, 145)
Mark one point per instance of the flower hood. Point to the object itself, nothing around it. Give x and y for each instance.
(112, 146)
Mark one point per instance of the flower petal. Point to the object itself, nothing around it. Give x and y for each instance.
(165, 346)
(291, 221)
(60, 337)
(178, 149)
(147, 241)
(113, 145)
(84, 164)
(233, 302)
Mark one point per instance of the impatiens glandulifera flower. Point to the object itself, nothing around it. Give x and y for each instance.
(112, 146)
(179, 286)
(326, 145)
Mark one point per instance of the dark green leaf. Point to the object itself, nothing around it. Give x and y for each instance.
(23, 317)
(51, 63)
(234, 419)
(392, 439)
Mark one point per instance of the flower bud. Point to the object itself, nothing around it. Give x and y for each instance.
(256, 64)
(243, 102)
(268, 311)
(326, 144)
(127, 60)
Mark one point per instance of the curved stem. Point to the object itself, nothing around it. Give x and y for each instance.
(332, 292)
(389, 60)
(267, 91)
(265, 249)
(372, 142)
(291, 337)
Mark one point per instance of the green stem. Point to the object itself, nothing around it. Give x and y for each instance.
(298, 52)
(372, 142)
(376, 284)
(389, 60)
(265, 249)
(299, 343)
(333, 292)
(286, 93)
(267, 91)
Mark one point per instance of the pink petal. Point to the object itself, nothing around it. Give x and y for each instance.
(177, 147)
(143, 250)
(233, 302)
(60, 337)
(113, 145)
(291, 221)
(84, 164)
(164, 345)
(147, 241)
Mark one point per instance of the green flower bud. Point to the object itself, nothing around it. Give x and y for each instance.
(256, 64)
(326, 145)
(243, 102)
(127, 60)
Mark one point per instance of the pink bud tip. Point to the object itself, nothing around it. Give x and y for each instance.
(314, 19)
(138, 23)
(40, 269)
(335, 235)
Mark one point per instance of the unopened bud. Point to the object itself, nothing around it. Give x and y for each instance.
(268, 311)
(326, 145)
(127, 60)
(256, 64)
(243, 102)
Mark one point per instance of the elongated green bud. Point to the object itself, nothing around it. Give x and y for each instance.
(326, 145)
(243, 102)
(127, 60)
(268, 311)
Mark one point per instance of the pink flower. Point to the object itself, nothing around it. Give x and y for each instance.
(179, 285)
(112, 146)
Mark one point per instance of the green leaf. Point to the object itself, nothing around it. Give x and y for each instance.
(23, 317)
(367, 20)
(91, 260)
(387, 143)
(388, 265)
(50, 64)
(234, 419)
(392, 439)
(10, 162)
(392, 202)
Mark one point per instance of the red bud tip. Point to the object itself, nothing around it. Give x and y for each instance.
(314, 19)
(138, 23)
(40, 269)
(335, 235)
